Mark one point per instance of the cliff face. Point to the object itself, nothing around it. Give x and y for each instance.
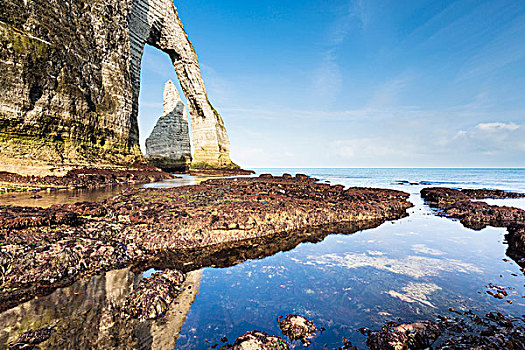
(168, 147)
(70, 80)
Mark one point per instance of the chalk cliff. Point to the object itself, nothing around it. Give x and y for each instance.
(168, 147)
(70, 80)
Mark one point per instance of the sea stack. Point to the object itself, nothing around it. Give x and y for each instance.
(168, 146)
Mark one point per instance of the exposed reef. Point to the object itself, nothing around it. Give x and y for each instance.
(458, 330)
(70, 81)
(168, 146)
(486, 193)
(477, 215)
(183, 228)
(463, 330)
(82, 178)
(222, 172)
(413, 336)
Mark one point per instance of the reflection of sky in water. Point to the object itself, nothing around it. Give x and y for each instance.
(414, 268)
(512, 202)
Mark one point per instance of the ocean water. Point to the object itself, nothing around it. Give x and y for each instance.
(415, 268)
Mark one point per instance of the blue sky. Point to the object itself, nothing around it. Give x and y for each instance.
(339, 83)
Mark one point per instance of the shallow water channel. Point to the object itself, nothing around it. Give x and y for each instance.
(415, 268)
(47, 198)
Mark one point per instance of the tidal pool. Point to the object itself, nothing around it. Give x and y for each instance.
(415, 269)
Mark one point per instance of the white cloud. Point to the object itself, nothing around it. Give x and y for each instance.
(368, 147)
(497, 126)
(416, 293)
(412, 266)
(488, 139)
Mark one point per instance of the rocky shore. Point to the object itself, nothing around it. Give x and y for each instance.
(460, 330)
(464, 330)
(82, 178)
(477, 215)
(182, 228)
(224, 172)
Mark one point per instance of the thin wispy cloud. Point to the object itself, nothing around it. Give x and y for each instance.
(328, 80)
(387, 93)
(498, 52)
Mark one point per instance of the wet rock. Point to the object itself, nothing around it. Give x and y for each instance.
(85, 178)
(516, 241)
(84, 209)
(492, 331)
(476, 215)
(498, 292)
(22, 217)
(256, 340)
(297, 327)
(154, 295)
(31, 338)
(489, 193)
(413, 336)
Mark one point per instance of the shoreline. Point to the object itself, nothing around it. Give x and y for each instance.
(81, 178)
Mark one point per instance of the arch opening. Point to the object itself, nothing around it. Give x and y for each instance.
(164, 127)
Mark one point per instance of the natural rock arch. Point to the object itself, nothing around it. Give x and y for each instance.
(70, 79)
(157, 23)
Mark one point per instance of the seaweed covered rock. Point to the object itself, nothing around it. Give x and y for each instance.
(220, 221)
(485, 193)
(256, 340)
(467, 330)
(23, 217)
(413, 336)
(83, 178)
(473, 214)
(31, 338)
(297, 327)
(154, 295)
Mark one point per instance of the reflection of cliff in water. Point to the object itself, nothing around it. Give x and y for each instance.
(231, 253)
(86, 316)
